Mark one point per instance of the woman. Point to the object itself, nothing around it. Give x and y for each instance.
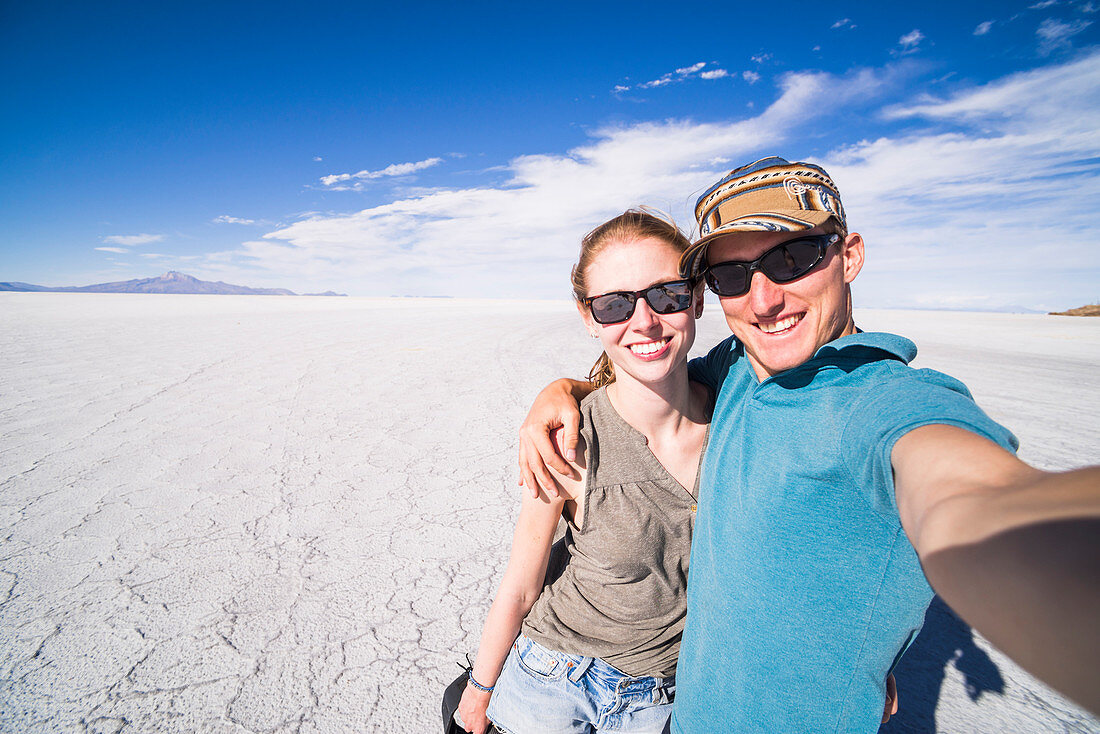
(597, 645)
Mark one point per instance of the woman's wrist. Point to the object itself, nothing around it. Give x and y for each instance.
(477, 684)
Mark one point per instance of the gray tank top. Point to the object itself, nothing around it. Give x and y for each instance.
(622, 594)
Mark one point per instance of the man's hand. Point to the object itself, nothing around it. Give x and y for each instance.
(554, 408)
(891, 707)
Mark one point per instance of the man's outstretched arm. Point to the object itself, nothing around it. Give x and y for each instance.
(1015, 551)
(556, 407)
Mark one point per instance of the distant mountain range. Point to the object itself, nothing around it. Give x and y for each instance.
(170, 282)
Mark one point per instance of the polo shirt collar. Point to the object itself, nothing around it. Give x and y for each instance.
(896, 347)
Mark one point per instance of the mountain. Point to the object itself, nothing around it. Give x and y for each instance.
(170, 282)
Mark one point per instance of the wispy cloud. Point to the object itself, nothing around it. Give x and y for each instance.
(750, 76)
(994, 171)
(952, 205)
(394, 169)
(843, 23)
(116, 250)
(761, 58)
(226, 219)
(132, 240)
(983, 28)
(504, 239)
(910, 41)
(1055, 34)
(1043, 5)
(698, 69)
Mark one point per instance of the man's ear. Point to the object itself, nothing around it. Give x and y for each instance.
(852, 252)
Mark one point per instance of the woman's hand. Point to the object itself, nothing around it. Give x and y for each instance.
(554, 408)
(472, 710)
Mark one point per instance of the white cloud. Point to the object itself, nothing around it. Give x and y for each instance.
(984, 27)
(843, 23)
(997, 171)
(226, 219)
(1088, 7)
(761, 58)
(1054, 34)
(394, 169)
(675, 77)
(317, 159)
(911, 39)
(516, 238)
(132, 240)
(689, 70)
(953, 205)
(1043, 5)
(750, 76)
(116, 250)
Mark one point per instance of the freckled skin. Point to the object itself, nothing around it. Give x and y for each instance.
(821, 299)
(631, 266)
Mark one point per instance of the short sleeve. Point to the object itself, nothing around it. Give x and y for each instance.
(711, 369)
(917, 398)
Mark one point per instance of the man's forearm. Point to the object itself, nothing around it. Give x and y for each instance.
(1034, 592)
(580, 389)
(1021, 564)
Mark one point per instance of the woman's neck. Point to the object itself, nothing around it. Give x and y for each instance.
(657, 409)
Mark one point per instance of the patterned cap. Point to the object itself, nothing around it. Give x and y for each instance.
(770, 195)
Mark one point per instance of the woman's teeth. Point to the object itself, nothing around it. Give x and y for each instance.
(780, 325)
(649, 347)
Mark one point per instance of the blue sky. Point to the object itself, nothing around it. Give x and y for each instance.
(464, 149)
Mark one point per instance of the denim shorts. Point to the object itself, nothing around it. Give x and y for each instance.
(542, 690)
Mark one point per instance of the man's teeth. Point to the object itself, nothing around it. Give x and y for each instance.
(780, 325)
(649, 347)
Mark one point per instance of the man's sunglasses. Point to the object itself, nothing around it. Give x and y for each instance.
(782, 264)
(663, 298)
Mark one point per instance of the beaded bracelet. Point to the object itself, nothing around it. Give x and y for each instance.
(475, 684)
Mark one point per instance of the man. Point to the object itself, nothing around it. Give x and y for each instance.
(837, 479)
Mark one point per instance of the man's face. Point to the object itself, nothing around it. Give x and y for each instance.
(782, 326)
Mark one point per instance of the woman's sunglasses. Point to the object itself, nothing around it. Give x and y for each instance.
(663, 298)
(782, 264)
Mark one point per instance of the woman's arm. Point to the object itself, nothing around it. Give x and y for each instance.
(520, 587)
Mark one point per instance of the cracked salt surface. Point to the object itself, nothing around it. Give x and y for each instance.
(245, 514)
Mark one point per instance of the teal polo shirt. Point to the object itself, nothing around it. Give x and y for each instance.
(804, 590)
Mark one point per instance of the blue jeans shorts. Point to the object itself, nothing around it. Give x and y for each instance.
(542, 690)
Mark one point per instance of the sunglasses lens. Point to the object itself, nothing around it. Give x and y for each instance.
(669, 297)
(612, 308)
(728, 279)
(791, 260)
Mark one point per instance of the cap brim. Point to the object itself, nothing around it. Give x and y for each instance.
(798, 220)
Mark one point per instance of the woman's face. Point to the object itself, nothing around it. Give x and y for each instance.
(648, 347)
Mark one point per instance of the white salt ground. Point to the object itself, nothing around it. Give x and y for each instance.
(243, 514)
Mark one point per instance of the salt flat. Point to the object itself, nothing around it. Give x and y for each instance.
(244, 514)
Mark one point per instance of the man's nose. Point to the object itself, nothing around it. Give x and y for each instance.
(765, 297)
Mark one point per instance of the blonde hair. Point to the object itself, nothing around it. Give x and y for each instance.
(632, 225)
